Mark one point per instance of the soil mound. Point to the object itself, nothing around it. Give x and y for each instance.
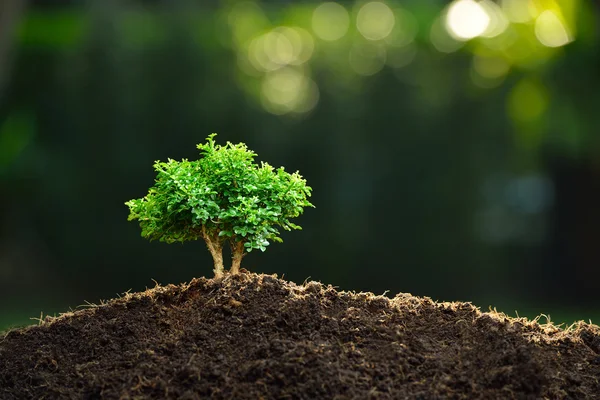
(252, 336)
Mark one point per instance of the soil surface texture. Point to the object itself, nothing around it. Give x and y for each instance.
(252, 336)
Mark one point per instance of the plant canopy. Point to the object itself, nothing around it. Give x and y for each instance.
(223, 197)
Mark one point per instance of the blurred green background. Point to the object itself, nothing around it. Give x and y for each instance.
(452, 147)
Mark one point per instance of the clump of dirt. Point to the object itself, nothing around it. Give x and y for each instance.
(252, 336)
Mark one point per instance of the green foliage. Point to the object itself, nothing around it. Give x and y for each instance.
(223, 196)
(16, 132)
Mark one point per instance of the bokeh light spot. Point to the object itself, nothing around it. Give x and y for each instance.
(488, 72)
(441, 39)
(466, 19)
(288, 90)
(490, 67)
(258, 56)
(519, 11)
(280, 47)
(527, 101)
(401, 56)
(498, 22)
(405, 29)
(484, 82)
(330, 21)
(375, 20)
(550, 31)
(306, 46)
(309, 98)
(367, 58)
(246, 19)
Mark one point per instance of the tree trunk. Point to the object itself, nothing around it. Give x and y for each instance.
(215, 246)
(217, 253)
(237, 251)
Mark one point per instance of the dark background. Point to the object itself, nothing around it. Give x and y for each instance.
(429, 174)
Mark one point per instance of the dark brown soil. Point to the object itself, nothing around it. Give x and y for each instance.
(258, 337)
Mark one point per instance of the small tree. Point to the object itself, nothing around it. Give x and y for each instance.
(222, 197)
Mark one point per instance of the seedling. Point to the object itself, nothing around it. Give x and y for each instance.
(223, 197)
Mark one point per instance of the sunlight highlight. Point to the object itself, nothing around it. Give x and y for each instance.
(466, 19)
